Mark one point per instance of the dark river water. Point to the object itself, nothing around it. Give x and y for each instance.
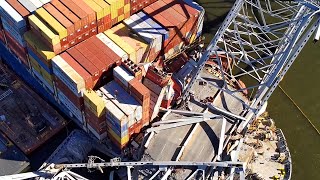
(302, 84)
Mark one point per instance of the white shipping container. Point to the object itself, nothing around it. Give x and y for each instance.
(68, 75)
(45, 1)
(154, 24)
(135, 26)
(121, 99)
(11, 14)
(147, 31)
(122, 75)
(28, 5)
(114, 113)
(96, 134)
(71, 107)
(107, 41)
(36, 3)
(125, 102)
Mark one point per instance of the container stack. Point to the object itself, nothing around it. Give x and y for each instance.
(13, 19)
(92, 56)
(137, 5)
(179, 18)
(132, 44)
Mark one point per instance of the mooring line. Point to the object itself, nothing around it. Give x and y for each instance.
(314, 127)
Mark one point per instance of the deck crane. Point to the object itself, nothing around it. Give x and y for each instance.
(261, 40)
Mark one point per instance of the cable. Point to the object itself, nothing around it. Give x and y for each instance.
(314, 127)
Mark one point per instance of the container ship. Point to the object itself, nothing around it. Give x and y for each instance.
(97, 60)
(114, 67)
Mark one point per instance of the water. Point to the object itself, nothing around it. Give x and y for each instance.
(302, 85)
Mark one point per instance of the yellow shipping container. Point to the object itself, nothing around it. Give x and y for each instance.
(105, 6)
(121, 43)
(134, 40)
(94, 102)
(96, 8)
(42, 49)
(46, 32)
(121, 17)
(36, 66)
(121, 141)
(52, 22)
(126, 8)
(114, 8)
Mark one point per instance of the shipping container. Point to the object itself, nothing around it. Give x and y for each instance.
(96, 134)
(114, 47)
(67, 75)
(133, 45)
(86, 76)
(74, 111)
(63, 20)
(70, 15)
(93, 100)
(122, 77)
(126, 103)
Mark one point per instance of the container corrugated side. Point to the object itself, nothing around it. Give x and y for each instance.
(67, 75)
(18, 36)
(11, 15)
(28, 5)
(122, 44)
(94, 103)
(122, 75)
(45, 31)
(96, 134)
(107, 41)
(71, 107)
(146, 18)
(53, 23)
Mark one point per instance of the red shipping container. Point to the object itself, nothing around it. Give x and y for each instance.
(120, 11)
(91, 57)
(84, 62)
(16, 48)
(92, 22)
(113, 57)
(70, 15)
(134, 2)
(101, 28)
(89, 82)
(2, 37)
(62, 19)
(93, 31)
(99, 53)
(84, 18)
(77, 100)
(19, 8)
(158, 77)
(135, 128)
(133, 9)
(107, 22)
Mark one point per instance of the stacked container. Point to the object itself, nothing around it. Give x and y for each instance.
(134, 46)
(179, 19)
(97, 77)
(137, 5)
(13, 18)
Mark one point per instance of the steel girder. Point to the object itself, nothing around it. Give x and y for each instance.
(256, 44)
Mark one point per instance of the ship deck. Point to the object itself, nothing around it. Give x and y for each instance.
(12, 160)
(197, 141)
(26, 118)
